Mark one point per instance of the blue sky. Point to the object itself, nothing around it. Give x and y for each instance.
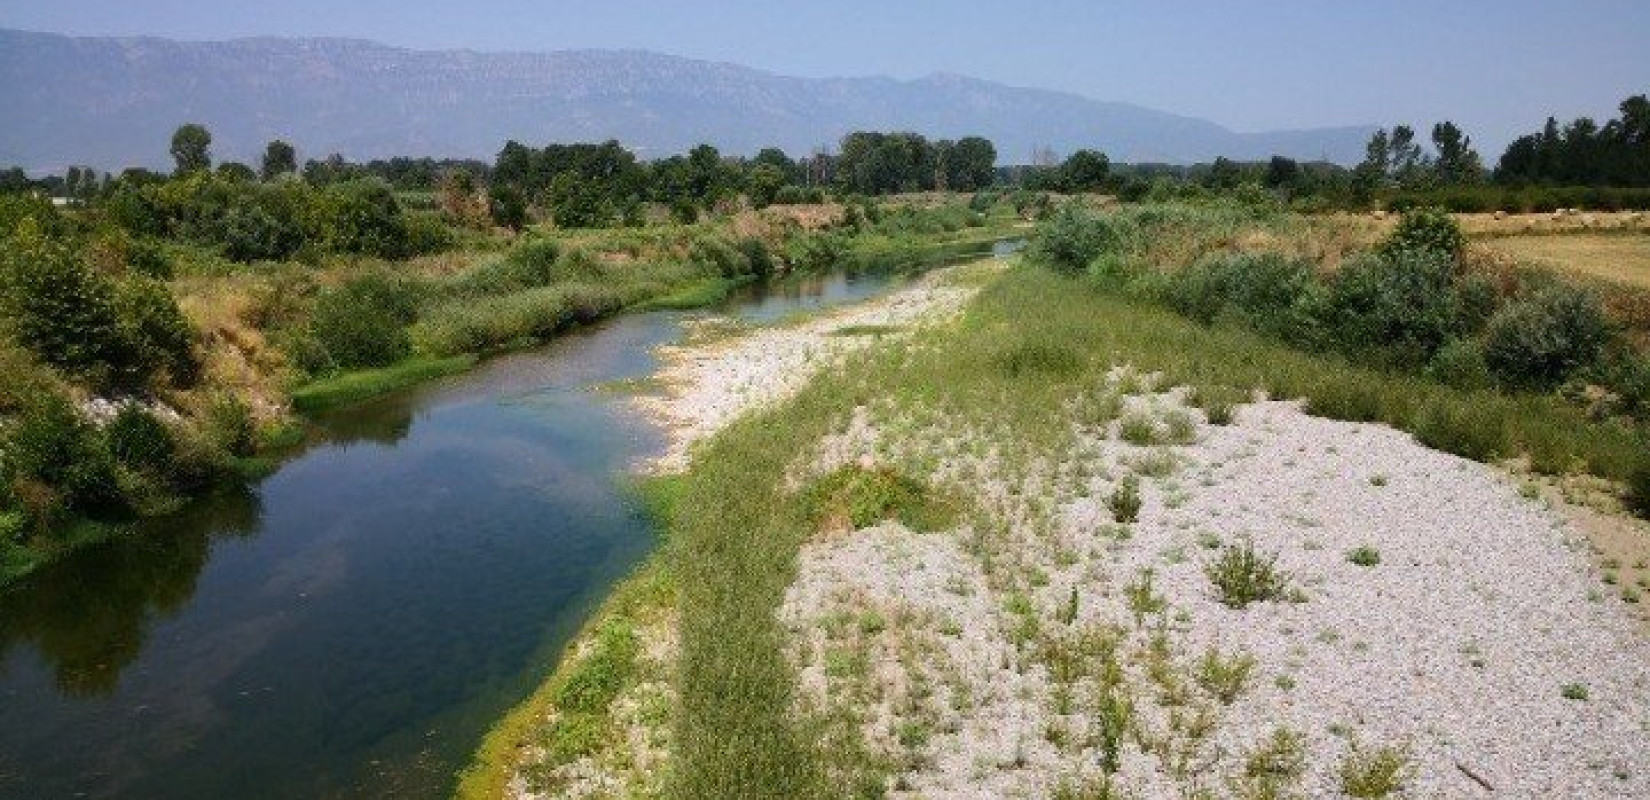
(1498, 68)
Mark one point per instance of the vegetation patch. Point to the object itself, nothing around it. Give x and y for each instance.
(854, 497)
(352, 387)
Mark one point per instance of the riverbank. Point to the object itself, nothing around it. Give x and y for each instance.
(1123, 583)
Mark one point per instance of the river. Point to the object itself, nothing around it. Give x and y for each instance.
(351, 625)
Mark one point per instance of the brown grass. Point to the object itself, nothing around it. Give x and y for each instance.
(1617, 257)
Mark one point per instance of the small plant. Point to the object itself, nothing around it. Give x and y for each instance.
(1113, 716)
(1179, 427)
(1271, 769)
(1573, 691)
(1243, 575)
(1224, 676)
(1142, 594)
(1125, 500)
(1364, 556)
(1068, 614)
(1377, 480)
(1377, 773)
(1138, 429)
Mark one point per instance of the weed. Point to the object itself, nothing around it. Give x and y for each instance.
(1573, 691)
(1224, 676)
(1125, 500)
(1242, 575)
(1364, 556)
(1142, 594)
(1138, 428)
(1375, 773)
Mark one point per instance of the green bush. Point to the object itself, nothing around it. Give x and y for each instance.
(138, 440)
(1426, 230)
(60, 309)
(1074, 237)
(1460, 364)
(1241, 576)
(1540, 340)
(155, 333)
(1400, 305)
(1638, 489)
(1467, 429)
(251, 232)
(1269, 291)
(54, 448)
(227, 423)
(363, 323)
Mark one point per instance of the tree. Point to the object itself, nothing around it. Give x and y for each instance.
(1085, 171)
(1282, 173)
(192, 148)
(972, 164)
(1408, 161)
(508, 206)
(279, 159)
(1225, 174)
(1457, 163)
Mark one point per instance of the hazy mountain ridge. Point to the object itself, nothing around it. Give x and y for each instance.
(112, 102)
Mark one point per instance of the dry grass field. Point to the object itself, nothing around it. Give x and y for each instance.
(1618, 257)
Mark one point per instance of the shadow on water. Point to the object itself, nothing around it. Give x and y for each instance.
(351, 625)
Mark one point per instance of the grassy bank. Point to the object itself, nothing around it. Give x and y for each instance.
(1024, 368)
(352, 387)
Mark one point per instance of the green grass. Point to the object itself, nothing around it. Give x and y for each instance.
(699, 294)
(351, 387)
(19, 560)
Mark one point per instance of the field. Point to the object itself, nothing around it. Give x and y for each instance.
(1622, 258)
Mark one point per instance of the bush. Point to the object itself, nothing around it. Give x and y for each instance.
(1460, 364)
(1242, 575)
(1467, 429)
(138, 440)
(250, 232)
(1638, 489)
(1268, 290)
(227, 423)
(61, 310)
(1426, 230)
(1073, 238)
(1401, 303)
(1125, 500)
(1540, 340)
(155, 333)
(54, 448)
(363, 323)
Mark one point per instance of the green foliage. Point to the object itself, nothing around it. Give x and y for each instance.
(1403, 301)
(1426, 230)
(1241, 576)
(59, 460)
(226, 421)
(1074, 237)
(61, 310)
(1224, 676)
(858, 497)
(1364, 556)
(153, 331)
(192, 148)
(1460, 364)
(1124, 501)
(1542, 339)
(1470, 431)
(1638, 489)
(1272, 293)
(139, 440)
(1375, 773)
(364, 322)
(600, 676)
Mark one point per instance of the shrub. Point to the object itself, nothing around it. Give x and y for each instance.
(1242, 576)
(1074, 237)
(1426, 230)
(857, 497)
(1364, 556)
(362, 216)
(1540, 340)
(250, 232)
(363, 323)
(1125, 500)
(1266, 289)
(155, 332)
(1460, 364)
(1467, 429)
(61, 310)
(1638, 489)
(226, 420)
(1373, 774)
(1224, 676)
(51, 445)
(1400, 304)
(138, 440)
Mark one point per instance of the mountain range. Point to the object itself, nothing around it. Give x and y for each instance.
(112, 102)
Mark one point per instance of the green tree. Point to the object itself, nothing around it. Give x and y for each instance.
(508, 206)
(192, 148)
(1282, 173)
(279, 159)
(1085, 171)
(1457, 163)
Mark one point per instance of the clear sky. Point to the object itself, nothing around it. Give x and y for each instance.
(1497, 67)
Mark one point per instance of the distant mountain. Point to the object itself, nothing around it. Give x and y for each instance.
(114, 102)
